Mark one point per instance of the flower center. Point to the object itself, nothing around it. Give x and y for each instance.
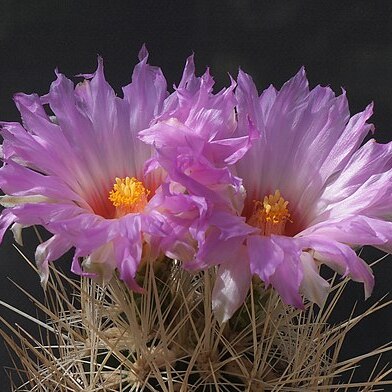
(270, 215)
(128, 196)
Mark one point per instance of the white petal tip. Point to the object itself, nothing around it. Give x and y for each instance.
(17, 232)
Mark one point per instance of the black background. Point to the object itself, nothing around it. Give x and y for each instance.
(341, 43)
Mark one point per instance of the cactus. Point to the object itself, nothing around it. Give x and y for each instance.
(104, 337)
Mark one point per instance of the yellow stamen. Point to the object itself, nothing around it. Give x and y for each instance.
(128, 195)
(270, 215)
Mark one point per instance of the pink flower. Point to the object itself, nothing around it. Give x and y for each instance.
(313, 194)
(195, 144)
(80, 173)
(312, 191)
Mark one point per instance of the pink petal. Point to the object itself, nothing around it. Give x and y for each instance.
(342, 259)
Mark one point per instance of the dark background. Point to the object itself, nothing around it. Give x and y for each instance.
(342, 44)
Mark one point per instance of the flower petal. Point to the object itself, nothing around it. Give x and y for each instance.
(276, 260)
(48, 251)
(356, 230)
(231, 285)
(342, 259)
(313, 286)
